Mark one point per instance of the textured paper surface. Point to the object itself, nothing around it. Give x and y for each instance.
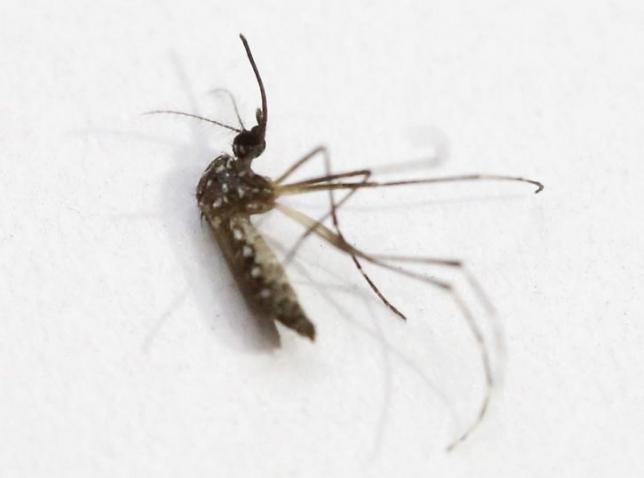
(125, 349)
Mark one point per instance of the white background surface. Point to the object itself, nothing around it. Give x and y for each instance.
(125, 349)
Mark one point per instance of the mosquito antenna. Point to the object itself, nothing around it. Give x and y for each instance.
(264, 118)
(190, 115)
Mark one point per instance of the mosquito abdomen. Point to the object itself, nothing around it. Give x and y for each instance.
(259, 274)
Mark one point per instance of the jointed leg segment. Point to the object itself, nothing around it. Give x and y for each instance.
(365, 174)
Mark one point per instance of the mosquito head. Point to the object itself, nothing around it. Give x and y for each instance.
(249, 144)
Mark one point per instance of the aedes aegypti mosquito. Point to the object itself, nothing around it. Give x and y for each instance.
(230, 192)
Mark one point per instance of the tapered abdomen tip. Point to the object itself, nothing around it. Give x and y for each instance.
(306, 329)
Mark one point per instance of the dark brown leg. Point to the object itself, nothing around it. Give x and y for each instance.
(326, 182)
(321, 150)
(323, 183)
(300, 162)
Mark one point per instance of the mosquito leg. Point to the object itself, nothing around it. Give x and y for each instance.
(375, 289)
(356, 262)
(499, 342)
(336, 225)
(328, 183)
(338, 242)
(300, 162)
(454, 263)
(323, 218)
(322, 184)
(320, 180)
(321, 150)
(232, 100)
(475, 285)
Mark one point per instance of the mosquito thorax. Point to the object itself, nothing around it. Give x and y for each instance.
(229, 186)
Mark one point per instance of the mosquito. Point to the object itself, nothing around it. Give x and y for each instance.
(230, 192)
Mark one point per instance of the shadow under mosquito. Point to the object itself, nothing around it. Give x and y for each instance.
(205, 271)
(206, 274)
(163, 318)
(387, 349)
